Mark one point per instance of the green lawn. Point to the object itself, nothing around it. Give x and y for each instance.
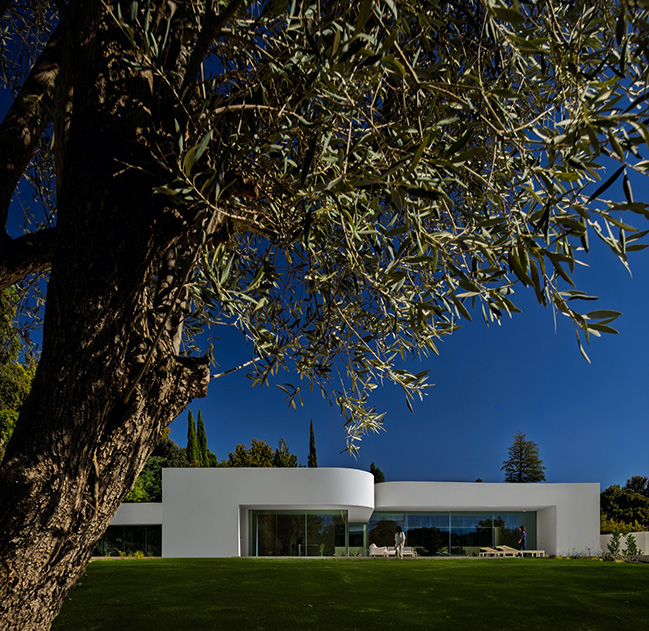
(373, 594)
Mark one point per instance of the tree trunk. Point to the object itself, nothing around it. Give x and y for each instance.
(107, 383)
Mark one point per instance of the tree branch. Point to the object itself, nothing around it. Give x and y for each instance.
(212, 26)
(25, 255)
(239, 367)
(26, 121)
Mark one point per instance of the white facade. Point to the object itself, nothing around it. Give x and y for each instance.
(567, 514)
(205, 512)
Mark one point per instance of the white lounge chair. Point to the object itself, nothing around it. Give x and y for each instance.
(407, 551)
(507, 551)
(378, 551)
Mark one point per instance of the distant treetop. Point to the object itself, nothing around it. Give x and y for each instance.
(523, 463)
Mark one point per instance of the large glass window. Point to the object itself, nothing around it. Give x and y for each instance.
(298, 533)
(357, 540)
(506, 529)
(382, 527)
(279, 534)
(428, 533)
(127, 540)
(470, 532)
(453, 533)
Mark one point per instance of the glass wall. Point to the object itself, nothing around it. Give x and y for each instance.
(298, 533)
(129, 540)
(357, 540)
(453, 533)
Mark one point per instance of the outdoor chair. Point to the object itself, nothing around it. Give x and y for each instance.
(407, 551)
(378, 551)
(490, 552)
(507, 551)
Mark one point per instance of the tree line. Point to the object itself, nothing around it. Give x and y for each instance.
(626, 508)
(148, 486)
(15, 375)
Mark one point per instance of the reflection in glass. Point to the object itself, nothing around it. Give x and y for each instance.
(506, 529)
(453, 532)
(357, 540)
(470, 532)
(279, 534)
(382, 527)
(120, 540)
(298, 533)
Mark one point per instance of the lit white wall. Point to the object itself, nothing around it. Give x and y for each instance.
(546, 529)
(641, 540)
(138, 514)
(206, 510)
(567, 514)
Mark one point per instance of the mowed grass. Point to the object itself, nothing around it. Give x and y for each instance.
(373, 594)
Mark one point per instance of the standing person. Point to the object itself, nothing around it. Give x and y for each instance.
(521, 541)
(399, 542)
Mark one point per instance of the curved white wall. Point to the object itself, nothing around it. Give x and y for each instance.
(205, 510)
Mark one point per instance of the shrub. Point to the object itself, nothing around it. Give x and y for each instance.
(614, 544)
(631, 546)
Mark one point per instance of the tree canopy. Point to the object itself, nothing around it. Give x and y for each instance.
(379, 476)
(15, 377)
(626, 507)
(148, 486)
(523, 463)
(343, 183)
(261, 454)
(283, 457)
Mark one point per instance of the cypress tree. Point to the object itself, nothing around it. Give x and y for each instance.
(191, 453)
(313, 456)
(203, 457)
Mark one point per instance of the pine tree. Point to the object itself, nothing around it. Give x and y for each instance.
(523, 464)
(191, 453)
(313, 456)
(203, 454)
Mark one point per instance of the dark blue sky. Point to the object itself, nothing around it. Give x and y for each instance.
(589, 420)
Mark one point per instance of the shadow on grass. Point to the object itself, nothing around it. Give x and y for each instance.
(358, 594)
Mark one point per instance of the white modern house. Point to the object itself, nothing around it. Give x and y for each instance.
(225, 512)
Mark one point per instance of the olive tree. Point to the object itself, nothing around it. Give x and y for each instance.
(341, 182)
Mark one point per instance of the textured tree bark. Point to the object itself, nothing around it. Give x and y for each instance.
(80, 441)
(25, 255)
